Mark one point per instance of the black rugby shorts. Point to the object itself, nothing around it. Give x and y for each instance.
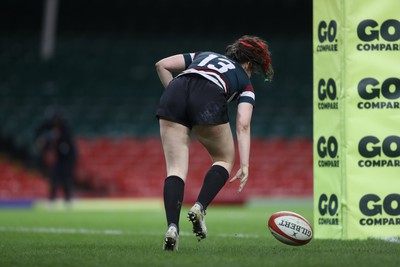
(193, 100)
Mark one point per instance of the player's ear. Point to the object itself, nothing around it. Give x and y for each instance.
(247, 67)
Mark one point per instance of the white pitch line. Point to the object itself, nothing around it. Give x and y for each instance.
(51, 230)
(239, 235)
(391, 239)
(59, 230)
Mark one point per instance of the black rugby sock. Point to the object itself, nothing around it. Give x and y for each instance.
(173, 197)
(214, 180)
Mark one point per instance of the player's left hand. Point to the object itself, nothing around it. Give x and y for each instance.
(241, 175)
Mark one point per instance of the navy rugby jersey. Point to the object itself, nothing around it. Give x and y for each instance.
(226, 73)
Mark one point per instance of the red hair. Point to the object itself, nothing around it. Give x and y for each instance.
(254, 50)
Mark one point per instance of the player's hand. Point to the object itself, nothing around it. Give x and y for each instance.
(241, 175)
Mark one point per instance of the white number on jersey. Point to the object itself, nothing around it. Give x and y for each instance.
(223, 64)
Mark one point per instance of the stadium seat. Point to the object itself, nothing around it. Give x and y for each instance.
(136, 167)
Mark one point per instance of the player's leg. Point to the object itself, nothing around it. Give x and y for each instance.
(175, 141)
(67, 185)
(53, 185)
(218, 141)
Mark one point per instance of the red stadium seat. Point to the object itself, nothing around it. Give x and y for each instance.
(134, 167)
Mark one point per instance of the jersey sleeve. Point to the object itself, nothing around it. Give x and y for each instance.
(188, 59)
(247, 96)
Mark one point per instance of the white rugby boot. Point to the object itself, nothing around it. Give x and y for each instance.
(171, 240)
(197, 216)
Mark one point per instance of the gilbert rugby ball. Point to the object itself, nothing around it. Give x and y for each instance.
(290, 228)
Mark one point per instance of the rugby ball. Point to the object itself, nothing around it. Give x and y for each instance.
(290, 228)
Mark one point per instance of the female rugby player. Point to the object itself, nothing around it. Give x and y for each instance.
(196, 99)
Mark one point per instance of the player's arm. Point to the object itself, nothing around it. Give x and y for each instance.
(243, 120)
(167, 66)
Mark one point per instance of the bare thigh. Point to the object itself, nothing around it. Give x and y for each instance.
(218, 141)
(175, 140)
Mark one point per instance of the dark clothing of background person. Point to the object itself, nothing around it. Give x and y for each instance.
(58, 153)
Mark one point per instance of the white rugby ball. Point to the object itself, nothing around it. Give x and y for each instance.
(290, 228)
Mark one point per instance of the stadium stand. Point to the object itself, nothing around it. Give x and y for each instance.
(17, 183)
(134, 167)
(108, 87)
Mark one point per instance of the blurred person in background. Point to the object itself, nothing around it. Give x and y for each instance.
(196, 99)
(55, 143)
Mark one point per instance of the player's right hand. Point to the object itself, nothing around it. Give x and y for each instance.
(241, 175)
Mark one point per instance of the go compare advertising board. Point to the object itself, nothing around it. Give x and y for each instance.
(356, 48)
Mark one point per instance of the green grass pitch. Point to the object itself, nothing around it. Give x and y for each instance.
(130, 233)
